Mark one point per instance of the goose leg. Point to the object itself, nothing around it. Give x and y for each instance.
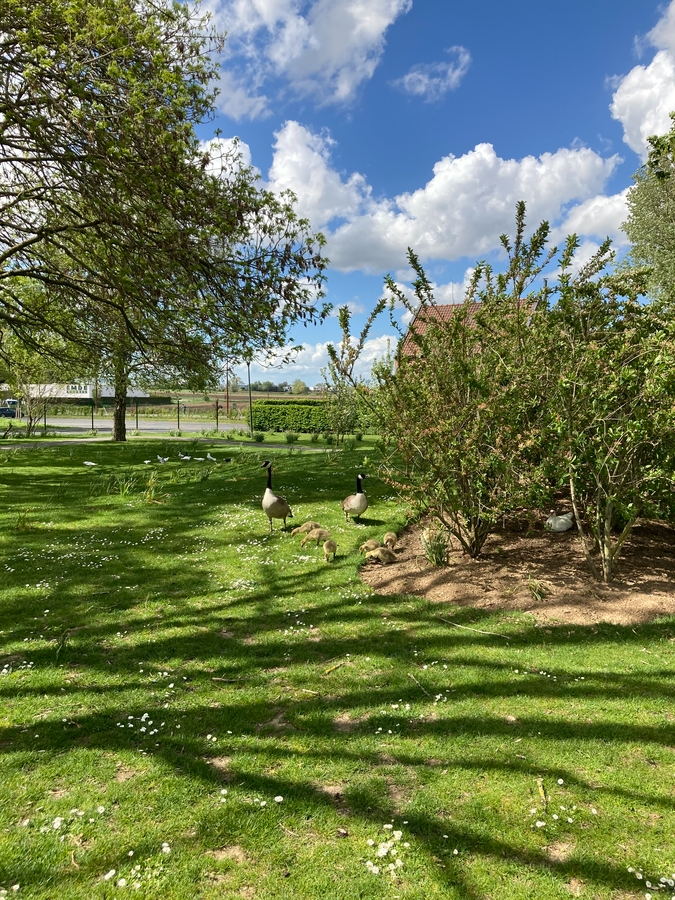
(271, 529)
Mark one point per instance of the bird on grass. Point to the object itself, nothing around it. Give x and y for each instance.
(210, 458)
(303, 529)
(381, 554)
(182, 456)
(356, 504)
(559, 523)
(274, 506)
(88, 463)
(162, 459)
(328, 548)
(147, 461)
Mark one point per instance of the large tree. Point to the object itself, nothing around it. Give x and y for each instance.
(110, 202)
(651, 214)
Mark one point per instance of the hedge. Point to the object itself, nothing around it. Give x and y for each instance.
(305, 416)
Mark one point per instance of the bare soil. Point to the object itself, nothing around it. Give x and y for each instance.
(519, 561)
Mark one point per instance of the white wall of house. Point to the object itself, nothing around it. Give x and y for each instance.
(80, 391)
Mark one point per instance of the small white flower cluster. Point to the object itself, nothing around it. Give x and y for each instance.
(555, 817)
(261, 804)
(8, 668)
(144, 722)
(664, 883)
(389, 848)
(62, 823)
(14, 887)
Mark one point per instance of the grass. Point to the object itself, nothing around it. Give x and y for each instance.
(169, 668)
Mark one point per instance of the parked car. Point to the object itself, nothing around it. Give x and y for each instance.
(7, 412)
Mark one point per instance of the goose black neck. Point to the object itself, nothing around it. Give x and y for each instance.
(359, 489)
(269, 477)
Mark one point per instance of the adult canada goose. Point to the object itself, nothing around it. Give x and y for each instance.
(356, 504)
(274, 506)
(559, 523)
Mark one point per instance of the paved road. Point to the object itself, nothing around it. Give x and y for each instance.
(80, 424)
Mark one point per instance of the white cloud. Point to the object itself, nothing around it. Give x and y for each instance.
(236, 101)
(302, 164)
(323, 48)
(598, 217)
(432, 81)
(226, 154)
(645, 97)
(467, 204)
(307, 364)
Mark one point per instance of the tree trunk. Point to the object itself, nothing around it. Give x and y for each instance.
(120, 410)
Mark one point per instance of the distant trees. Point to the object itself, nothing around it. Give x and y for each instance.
(147, 246)
(270, 386)
(299, 387)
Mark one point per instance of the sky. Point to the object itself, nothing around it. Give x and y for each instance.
(418, 123)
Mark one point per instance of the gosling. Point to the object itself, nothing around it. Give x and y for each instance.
(316, 534)
(390, 540)
(382, 554)
(308, 526)
(372, 544)
(328, 548)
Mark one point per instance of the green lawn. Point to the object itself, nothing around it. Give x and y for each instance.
(212, 711)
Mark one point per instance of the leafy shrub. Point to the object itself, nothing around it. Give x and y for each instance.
(350, 444)
(258, 437)
(328, 437)
(291, 437)
(295, 414)
(229, 435)
(315, 437)
(358, 436)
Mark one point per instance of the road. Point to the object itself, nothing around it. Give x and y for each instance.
(80, 424)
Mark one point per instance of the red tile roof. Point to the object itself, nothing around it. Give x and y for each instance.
(428, 314)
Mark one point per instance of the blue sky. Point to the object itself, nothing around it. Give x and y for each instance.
(412, 122)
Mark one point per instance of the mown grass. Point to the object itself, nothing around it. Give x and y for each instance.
(259, 670)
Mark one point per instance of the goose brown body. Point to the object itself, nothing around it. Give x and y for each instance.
(274, 506)
(356, 504)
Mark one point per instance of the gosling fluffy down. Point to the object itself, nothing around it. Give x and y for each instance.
(303, 529)
(316, 534)
(390, 540)
(328, 548)
(372, 544)
(382, 554)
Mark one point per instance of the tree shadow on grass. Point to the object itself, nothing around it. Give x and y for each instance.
(282, 694)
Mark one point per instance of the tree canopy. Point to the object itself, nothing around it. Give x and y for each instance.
(112, 205)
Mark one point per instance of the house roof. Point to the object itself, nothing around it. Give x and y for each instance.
(443, 313)
(427, 314)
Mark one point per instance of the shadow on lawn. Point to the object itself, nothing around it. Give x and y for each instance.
(309, 729)
(263, 698)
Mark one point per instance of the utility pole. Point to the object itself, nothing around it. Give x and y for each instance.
(250, 404)
(227, 386)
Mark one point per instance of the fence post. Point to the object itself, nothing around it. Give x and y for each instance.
(92, 415)
(45, 418)
(178, 408)
(217, 404)
(136, 413)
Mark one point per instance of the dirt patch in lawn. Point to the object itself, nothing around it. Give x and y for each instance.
(528, 569)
